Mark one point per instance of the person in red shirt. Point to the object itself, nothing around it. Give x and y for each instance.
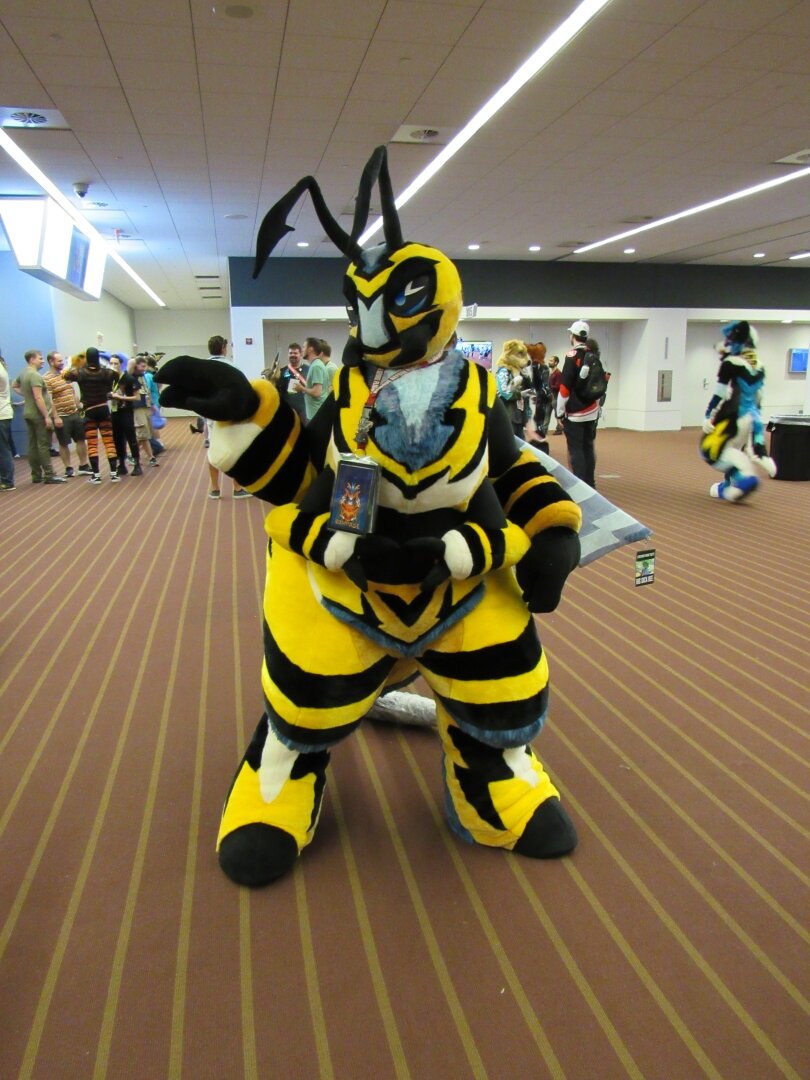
(554, 380)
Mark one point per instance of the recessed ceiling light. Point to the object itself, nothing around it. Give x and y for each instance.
(712, 205)
(629, 251)
(543, 55)
(759, 254)
(302, 243)
(473, 247)
(800, 255)
(235, 217)
(534, 247)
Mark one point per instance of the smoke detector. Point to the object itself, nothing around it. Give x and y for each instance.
(31, 119)
(423, 134)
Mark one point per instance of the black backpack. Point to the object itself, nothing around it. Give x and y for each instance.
(594, 386)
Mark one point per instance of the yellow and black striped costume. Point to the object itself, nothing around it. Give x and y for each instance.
(331, 647)
(437, 590)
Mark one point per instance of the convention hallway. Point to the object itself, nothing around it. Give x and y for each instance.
(673, 944)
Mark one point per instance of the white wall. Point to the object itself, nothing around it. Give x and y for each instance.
(180, 333)
(78, 323)
(635, 343)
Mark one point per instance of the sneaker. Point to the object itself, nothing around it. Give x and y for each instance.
(53, 453)
(137, 470)
(116, 479)
(86, 470)
(54, 480)
(123, 470)
(206, 443)
(36, 479)
(8, 487)
(94, 478)
(69, 473)
(242, 494)
(214, 494)
(194, 429)
(154, 462)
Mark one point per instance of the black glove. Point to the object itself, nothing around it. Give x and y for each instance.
(380, 559)
(542, 571)
(210, 388)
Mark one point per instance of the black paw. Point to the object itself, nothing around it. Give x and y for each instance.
(257, 854)
(549, 834)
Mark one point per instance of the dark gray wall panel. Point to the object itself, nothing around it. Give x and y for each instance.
(317, 282)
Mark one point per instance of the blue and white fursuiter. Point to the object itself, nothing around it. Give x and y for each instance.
(733, 438)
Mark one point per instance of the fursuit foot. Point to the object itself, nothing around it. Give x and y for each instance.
(272, 809)
(549, 834)
(257, 854)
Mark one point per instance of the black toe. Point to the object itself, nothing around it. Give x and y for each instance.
(549, 834)
(257, 854)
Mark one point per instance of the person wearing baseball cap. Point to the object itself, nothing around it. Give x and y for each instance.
(578, 418)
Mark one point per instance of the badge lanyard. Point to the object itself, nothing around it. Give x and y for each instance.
(356, 491)
(365, 425)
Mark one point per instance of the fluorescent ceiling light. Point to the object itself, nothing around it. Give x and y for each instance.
(755, 190)
(534, 247)
(302, 243)
(473, 247)
(629, 251)
(554, 43)
(28, 166)
(801, 255)
(759, 254)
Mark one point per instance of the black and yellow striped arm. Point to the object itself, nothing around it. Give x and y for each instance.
(472, 550)
(268, 453)
(307, 534)
(532, 498)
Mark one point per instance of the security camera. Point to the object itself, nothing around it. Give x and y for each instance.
(81, 188)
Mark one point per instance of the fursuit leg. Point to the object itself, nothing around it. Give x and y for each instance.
(271, 810)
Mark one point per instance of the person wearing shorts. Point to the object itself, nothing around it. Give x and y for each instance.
(71, 430)
(141, 410)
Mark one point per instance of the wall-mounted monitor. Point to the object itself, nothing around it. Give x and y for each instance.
(479, 351)
(797, 361)
(47, 244)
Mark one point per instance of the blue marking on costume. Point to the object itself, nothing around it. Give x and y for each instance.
(409, 650)
(413, 409)
(503, 740)
(748, 394)
(452, 816)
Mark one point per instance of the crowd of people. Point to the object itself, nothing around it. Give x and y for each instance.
(306, 380)
(97, 405)
(111, 402)
(537, 390)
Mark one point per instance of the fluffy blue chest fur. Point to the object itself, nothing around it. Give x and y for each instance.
(412, 428)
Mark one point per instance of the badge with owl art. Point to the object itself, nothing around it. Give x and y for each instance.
(354, 496)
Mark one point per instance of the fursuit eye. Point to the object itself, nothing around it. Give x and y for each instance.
(414, 296)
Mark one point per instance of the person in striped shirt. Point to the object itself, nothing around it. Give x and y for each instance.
(67, 409)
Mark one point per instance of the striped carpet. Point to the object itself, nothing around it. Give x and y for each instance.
(673, 944)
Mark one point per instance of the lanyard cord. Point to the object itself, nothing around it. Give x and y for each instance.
(365, 425)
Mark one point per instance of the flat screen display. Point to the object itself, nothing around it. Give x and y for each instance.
(77, 258)
(478, 351)
(797, 361)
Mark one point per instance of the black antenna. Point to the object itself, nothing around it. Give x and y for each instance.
(275, 226)
(376, 171)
